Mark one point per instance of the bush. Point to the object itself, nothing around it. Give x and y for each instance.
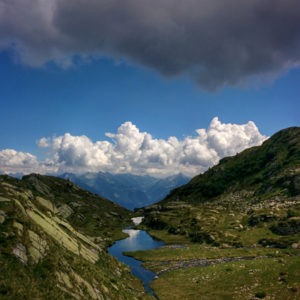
(286, 228)
(260, 295)
(237, 245)
(255, 220)
(282, 244)
(200, 237)
(155, 223)
(291, 213)
(172, 230)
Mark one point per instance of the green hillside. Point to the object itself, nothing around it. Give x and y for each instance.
(259, 186)
(263, 172)
(234, 231)
(94, 215)
(53, 239)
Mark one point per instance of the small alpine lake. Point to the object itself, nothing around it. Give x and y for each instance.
(137, 240)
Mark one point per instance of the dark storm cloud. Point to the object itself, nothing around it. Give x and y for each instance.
(217, 43)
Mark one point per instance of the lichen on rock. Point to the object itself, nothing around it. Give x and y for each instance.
(47, 204)
(38, 248)
(91, 291)
(3, 199)
(64, 279)
(2, 216)
(20, 252)
(65, 211)
(52, 226)
(19, 227)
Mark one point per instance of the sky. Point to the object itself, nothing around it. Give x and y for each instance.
(145, 87)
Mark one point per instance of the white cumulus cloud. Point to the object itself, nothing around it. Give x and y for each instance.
(12, 162)
(131, 151)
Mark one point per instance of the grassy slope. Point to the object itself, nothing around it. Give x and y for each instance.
(94, 215)
(270, 279)
(238, 201)
(241, 207)
(60, 263)
(268, 170)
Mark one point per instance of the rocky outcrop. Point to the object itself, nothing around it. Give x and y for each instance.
(64, 234)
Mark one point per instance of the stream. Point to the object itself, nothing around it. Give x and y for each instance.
(137, 240)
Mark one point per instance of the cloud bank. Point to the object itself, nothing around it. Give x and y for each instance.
(132, 151)
(12, 161)
(217, 43)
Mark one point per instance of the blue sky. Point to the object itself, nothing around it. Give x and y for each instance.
(98, 97)
(143, 73)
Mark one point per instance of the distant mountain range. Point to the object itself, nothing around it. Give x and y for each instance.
(130, 191)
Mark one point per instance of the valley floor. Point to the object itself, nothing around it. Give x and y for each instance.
(197, 272)
(215, 252)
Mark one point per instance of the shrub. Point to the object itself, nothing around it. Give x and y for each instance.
(200, 237)
(260, 295)
(282, 244)
(286, 228)
(155, 223)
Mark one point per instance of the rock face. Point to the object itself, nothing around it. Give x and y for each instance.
(52, 240)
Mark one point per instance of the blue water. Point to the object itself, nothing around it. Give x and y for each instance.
(137, 240)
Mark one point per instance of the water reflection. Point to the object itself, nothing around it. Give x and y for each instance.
(137, 240)
(131, 232)
(137, 220)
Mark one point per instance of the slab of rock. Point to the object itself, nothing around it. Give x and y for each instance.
(76, 204)
(64, 279)
(54, 227)
(93, 293)
(19, 227)
(47, 204)
(114, 214)
(38, 248)
(65, 211)
(296, 245)
(20, 252)
(3, 199)
(2, 216)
